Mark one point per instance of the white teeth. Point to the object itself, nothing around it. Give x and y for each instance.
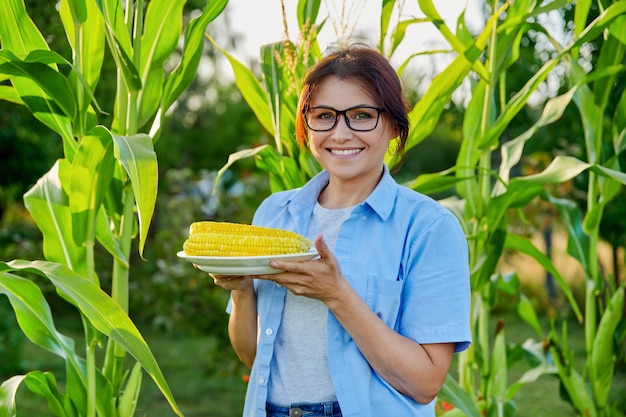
(345, 151)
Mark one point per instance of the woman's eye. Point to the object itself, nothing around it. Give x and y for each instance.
(361, 115)
(326, 116)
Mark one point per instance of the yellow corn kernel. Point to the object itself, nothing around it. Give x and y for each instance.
(209, 238)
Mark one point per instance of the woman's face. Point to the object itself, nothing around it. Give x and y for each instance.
(345, 153)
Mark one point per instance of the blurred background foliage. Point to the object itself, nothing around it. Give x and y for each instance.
(210, 122)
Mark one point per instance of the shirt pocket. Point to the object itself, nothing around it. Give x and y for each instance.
(383, 296)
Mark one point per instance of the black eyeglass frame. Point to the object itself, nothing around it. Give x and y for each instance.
(345, 117)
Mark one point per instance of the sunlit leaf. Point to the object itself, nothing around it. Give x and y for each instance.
(251, 90)
(307, 12)
(186, 70)
(52, 83)
(92, 170)
(48, 204)
(91, 48)
(136, 154)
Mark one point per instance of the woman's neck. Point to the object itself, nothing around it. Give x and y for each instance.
(341, 193)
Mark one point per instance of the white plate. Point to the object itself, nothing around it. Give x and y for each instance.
(244, 265)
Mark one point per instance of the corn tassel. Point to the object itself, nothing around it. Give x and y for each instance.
(209, 238)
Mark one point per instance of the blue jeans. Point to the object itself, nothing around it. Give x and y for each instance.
(329, 409)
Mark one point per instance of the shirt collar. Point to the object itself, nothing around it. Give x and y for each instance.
(381, 200)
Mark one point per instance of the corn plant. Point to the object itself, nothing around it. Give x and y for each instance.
(485, 194)
(274, 99)
(102, 191)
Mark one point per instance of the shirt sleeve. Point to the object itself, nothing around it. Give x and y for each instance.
(436, 301)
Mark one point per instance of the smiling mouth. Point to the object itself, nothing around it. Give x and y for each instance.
(345, 152)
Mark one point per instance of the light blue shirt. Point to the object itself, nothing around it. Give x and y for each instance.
(406, 256)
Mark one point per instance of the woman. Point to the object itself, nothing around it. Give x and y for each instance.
(370, 327)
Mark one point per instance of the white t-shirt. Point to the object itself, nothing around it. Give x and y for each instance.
(299, 369)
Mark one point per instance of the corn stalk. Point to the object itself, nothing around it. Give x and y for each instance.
(102, 191)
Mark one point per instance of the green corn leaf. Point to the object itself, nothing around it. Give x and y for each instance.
(307, 12)
(48, 204)
(523, 245)
(575, 386)
(41, 383)
(599, 24)
(435, 182)
(581, 12)
(44, 384)
(578, 245)
(185, 72)
(469, 153)
(452, 392)
(107, 239)
(33, 314)
(234, 157)
(497, 381)
(52, 83)
(521, 98)
(512, 150)
(251, 90)
(425, 114)
(162, 28)
(20, 36)
(466, 50)
(117, 34)
(8, 394)
(113, 13)
(608, 189)
(76, 385)
(128, 400)
(539, 362)
(275, 83)
(137, 156)
(101, 310)
(526, 311)
(123, 61)
(92, 170)
(514, 106)
(89, 52)
(78, 10)
(385, 18)
(619, 126)
(9, 94)
(397, 36)
(18, 32)
(284, 173)
(611, 54)
(603, 355)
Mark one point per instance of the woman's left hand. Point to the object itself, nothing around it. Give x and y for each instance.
(320, 278)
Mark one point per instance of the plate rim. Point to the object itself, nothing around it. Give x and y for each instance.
(181, 254)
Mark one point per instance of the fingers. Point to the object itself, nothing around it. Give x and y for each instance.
(322, 247)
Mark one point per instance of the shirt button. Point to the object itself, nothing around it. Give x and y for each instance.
(364, 217)
(296, 412)
(269, 331)
(261, 380)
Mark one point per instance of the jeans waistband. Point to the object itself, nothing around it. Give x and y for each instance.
(330, 409)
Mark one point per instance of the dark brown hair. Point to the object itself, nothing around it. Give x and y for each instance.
(374, 72)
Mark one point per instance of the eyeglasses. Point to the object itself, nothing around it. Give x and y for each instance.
(358, 118)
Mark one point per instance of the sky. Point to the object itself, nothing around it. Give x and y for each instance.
(260, 22)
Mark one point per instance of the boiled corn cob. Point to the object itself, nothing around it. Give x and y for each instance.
(209, 238)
